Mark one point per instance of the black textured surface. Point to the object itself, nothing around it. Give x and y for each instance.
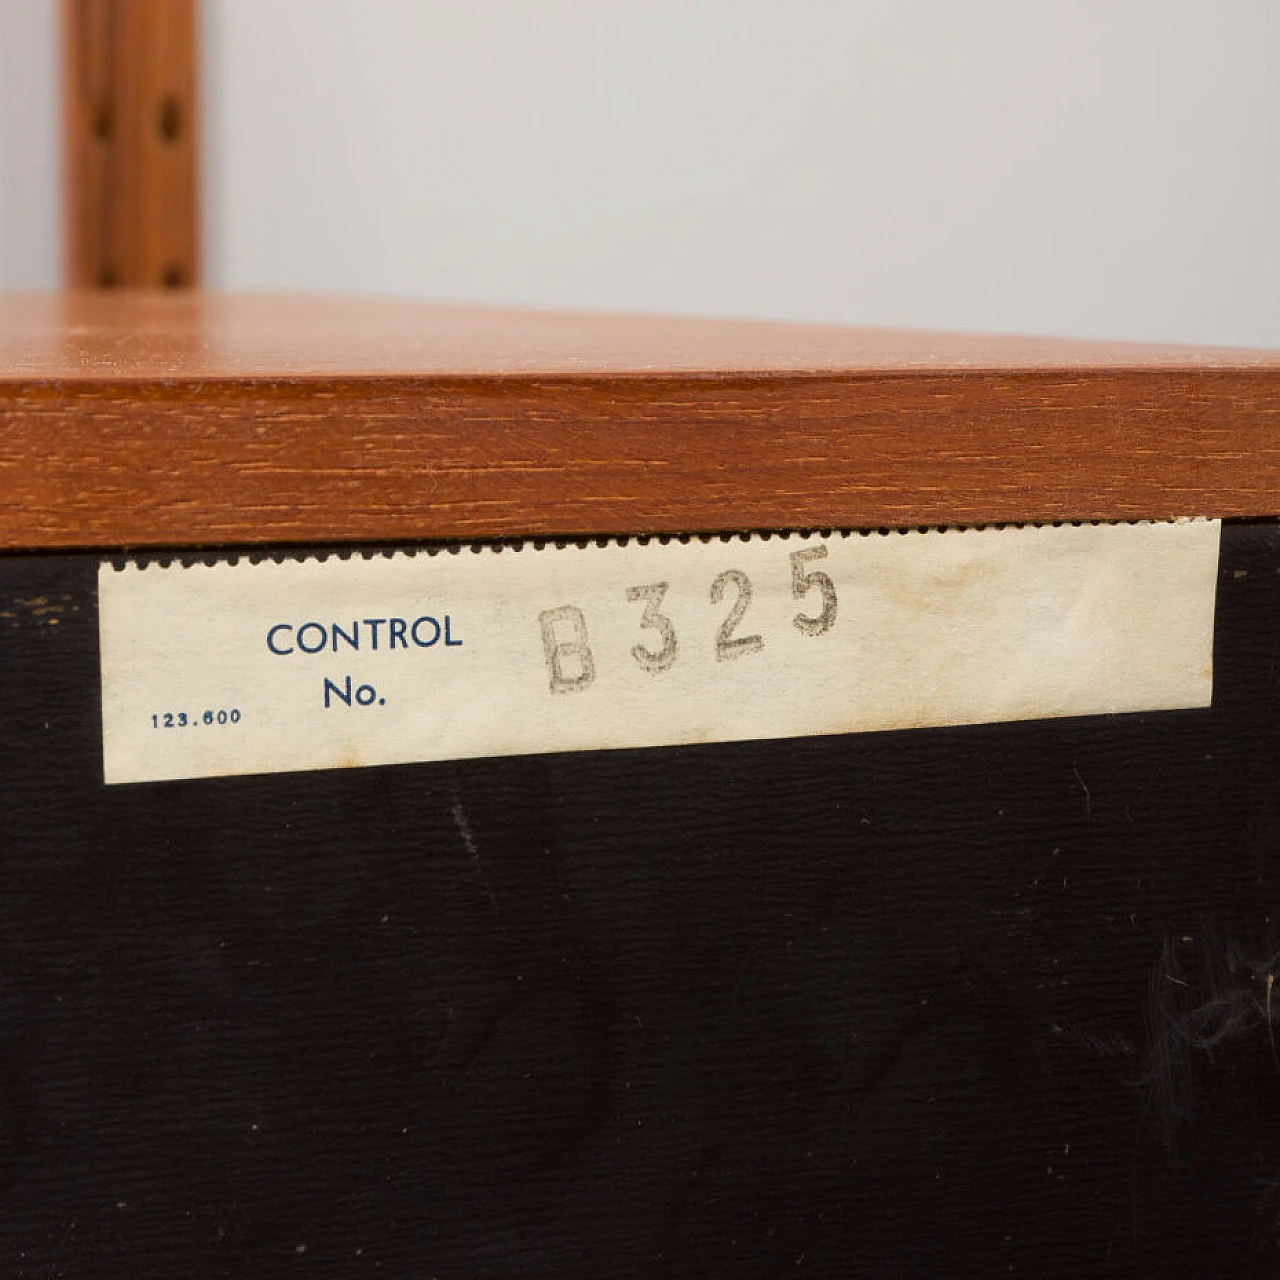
(938, 1003)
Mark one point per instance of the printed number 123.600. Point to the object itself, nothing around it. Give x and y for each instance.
(181, 719)
(571, 664)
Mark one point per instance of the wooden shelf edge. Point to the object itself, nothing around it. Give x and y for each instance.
(252, 463)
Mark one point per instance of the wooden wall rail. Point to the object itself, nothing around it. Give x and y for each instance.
(227, 422)
(130, 137)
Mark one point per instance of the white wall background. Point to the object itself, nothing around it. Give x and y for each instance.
(1096, 167)
(30, 231)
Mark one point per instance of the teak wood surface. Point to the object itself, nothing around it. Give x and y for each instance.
(130, 143)
(129, 420)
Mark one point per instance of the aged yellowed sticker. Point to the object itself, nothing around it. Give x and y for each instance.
(369, 659)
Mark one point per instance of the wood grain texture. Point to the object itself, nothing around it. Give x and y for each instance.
(135, 421)
(130, 143)
(141, 337)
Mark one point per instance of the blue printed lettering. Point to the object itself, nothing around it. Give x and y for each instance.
(284, 638)
(343, 694)
(425, 644)
(271, 642)
(318, 645)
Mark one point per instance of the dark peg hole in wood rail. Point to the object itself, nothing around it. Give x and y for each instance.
(169, 119)
(102, 122)
(108, 278)
(171, 277)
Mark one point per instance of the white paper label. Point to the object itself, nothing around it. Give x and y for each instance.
(240, 668)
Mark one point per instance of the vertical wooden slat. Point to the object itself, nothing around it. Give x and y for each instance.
(130, 143)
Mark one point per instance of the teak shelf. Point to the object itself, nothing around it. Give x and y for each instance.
(198, 419)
